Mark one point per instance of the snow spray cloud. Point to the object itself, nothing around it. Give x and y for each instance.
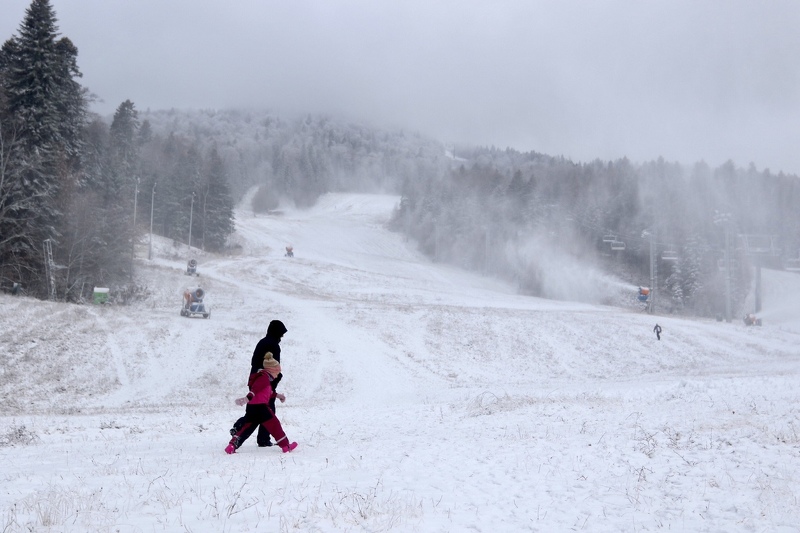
(546, 270)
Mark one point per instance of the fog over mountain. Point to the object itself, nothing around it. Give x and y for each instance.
(687, 80)
(310, 99)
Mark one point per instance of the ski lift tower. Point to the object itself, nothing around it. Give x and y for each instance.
(758, 248)
(133, 228)
(647, 234)
(653, 274)
(150, 243)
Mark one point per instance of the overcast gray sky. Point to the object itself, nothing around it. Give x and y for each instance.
(683, 79)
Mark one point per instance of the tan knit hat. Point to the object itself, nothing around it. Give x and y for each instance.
(271, 366)
(269, 360)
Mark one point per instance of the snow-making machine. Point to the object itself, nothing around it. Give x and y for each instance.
(751, 320)
(193, 303)
(191, 268)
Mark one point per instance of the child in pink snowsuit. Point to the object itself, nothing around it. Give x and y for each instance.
(258, 411)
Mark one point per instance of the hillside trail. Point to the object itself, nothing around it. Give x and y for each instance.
(350, 278)
(342, 238)
(373, 322)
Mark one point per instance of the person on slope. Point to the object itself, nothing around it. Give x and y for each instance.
(657, 329)
(257, 412)
(270, 343)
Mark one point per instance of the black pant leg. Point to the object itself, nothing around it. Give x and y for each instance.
(253, 417)
(244, 435)
(238, 425)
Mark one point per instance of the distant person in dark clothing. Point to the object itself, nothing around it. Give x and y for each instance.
(270, 343)
(657, 329)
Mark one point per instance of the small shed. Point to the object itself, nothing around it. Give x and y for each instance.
(100, 295)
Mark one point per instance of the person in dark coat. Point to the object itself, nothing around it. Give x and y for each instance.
(270, 343)
(657, 329)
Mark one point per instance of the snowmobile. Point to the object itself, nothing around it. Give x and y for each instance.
(191, 268)
(193, 303)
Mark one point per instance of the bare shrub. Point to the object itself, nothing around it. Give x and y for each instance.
(130, 293)
(18, 436)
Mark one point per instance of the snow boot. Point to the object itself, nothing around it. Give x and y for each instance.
(232, 445)
(289, 447)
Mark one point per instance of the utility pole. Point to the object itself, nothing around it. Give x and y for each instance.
(653, 273)
(152, 202)
(758, 285)
(725, 220)
(133, 236)
(486, 250)
(728, 271)
(436, 239)
(191, 210)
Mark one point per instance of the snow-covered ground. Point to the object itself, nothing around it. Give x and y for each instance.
(423, 398)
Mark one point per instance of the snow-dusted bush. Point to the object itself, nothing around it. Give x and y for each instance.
(18, 436)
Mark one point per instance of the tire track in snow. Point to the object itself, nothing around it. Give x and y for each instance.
(163, 363)
(115, 354)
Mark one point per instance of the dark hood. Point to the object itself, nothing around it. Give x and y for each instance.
(276, 329)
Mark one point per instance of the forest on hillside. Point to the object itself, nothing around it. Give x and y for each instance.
(78, 190)
(693, 231)
(697, 233)
(71, 182)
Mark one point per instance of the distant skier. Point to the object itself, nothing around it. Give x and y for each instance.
(657, 329)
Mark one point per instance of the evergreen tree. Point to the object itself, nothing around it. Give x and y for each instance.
(216, 204)
(124, 151)
(175, 192)
(674, 286)
(124, 141)
(98, 234)
(43, 97)
(693, 270)
(46, 109)
(145, 133)
(17, 245)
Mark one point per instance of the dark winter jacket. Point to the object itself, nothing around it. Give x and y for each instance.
(270, 343)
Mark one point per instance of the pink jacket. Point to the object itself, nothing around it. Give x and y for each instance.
(260, 387)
